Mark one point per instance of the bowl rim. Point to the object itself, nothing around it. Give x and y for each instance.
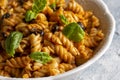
(89, 62)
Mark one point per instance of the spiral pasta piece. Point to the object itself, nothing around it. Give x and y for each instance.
(87, 19)
(47, 10)
(18, 62)
(4, 73)
(27, 5)
(25, 76)
(95, 21)
(41, 20)
(2, 65)
(6, 30)
(13, 3)
(93, 32)
(22, 27)
(71, 16)
(68, 44)
(41, 16)
(48, 49)
(43, 71)
(63, 67)
(64, 54)
(35, 27)
(81, 59)
(53, 68)
(3, 3)
(26, 73)
(55, 16)
(13, 20)
(61, 3)
(4, 56)
(13, 71)
(49, 44)
(90, 41)
(20, 10)
(99, 36)
(75, 7)
(88, 15)
(35, 41)
(53, 38)
(23, 45)
(28, 67)
(86, 52)
(37, 66)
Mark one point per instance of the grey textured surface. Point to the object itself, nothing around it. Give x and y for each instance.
(108, 66)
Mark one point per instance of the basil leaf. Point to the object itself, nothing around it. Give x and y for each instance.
(42, 57)
(64, 19)
(74, 32)
(12, 42)
(38, 5)
(53, 6)
(30, 15)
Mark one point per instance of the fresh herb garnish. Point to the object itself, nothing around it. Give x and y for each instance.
(74, 32)
(30, 15)
(64, 19)
(53, 6)
(38, 6)
(41, 57)
(12, 42)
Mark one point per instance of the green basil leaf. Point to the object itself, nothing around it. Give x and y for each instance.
(12, 42)
(38, 5)
(30, 15)
(53, 6)
(74, 32)
(41, 57)
(64, 19)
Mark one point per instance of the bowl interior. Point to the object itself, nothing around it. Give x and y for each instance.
(107, 25)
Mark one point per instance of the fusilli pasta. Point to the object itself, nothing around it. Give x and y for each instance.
(33, 41)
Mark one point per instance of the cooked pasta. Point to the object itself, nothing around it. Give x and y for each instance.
(22, 27)
(12, 71)
(4, 73)
(23, 45)
(18, 62)
(64, 54)
(26, 73)
(71, 16)
(35, 41)
(63, 67)
(75, 7)
(53, 38)
(53, 67)
(68, 44)
(43, 71)
(36, 66)
(38, 38)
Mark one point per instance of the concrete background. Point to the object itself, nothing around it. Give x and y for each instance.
(108, 66)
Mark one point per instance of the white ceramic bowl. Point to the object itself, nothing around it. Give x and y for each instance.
(107, 25)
